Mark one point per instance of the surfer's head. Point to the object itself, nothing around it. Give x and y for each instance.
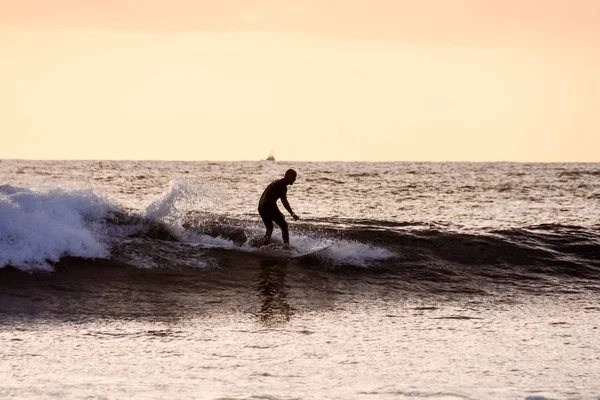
(290, 176)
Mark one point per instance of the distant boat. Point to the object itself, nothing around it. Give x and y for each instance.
(271, 157)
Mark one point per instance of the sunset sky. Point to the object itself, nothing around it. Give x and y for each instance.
(313, 80)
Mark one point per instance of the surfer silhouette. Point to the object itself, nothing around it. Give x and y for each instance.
(267, 206)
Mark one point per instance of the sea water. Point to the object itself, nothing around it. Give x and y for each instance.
(445, 280)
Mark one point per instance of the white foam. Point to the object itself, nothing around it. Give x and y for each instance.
(357, 254)
(171, 207)
(166, 205)
(181, 196)
(38, 227)
(206, 241)
(342, 251)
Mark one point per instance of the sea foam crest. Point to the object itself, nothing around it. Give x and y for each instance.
(38, 227)
(166, 206)
(357, 254)
(341, 251)
(171, 207)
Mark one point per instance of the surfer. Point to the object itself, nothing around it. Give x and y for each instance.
(267, 206)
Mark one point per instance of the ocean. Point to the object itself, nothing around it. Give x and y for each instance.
(138, 279)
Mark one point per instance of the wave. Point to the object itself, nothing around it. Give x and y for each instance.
(38, 229)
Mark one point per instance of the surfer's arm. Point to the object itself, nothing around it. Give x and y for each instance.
(287, 207)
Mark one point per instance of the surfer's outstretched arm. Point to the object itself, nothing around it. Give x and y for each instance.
(287, 207)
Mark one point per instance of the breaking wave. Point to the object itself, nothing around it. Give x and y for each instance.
(38, 229)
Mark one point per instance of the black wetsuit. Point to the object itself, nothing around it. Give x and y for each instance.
(267, 205)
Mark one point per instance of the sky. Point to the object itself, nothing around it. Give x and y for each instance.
(312, 80)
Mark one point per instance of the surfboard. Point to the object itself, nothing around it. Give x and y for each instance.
(314, 250)
(277, 249)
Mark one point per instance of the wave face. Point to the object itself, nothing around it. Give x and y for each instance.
(197, 223)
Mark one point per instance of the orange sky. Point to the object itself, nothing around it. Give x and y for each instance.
(452, 22)
(311, 80)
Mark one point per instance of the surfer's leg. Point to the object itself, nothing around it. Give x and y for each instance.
(269, 231)
(285, 234)
(267, 220)
(280, 221)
